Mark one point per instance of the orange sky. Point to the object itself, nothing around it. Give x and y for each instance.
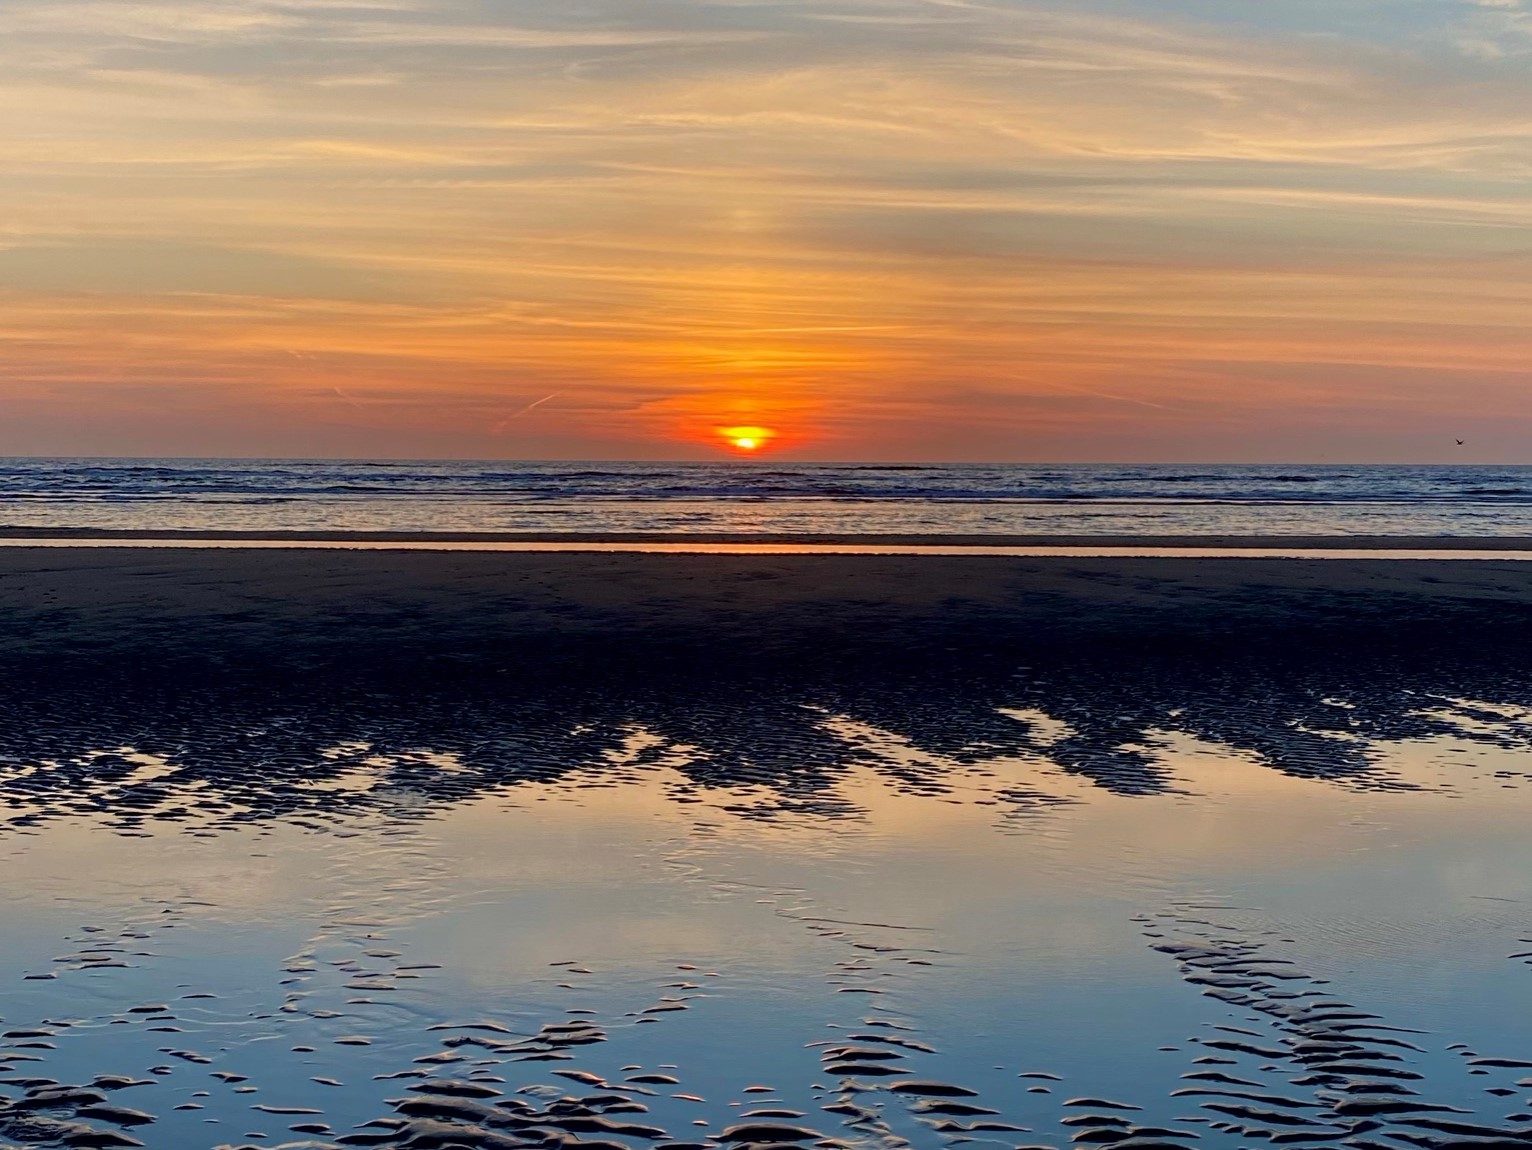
(876, 229)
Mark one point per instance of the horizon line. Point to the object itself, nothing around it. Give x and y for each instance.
(758, 461)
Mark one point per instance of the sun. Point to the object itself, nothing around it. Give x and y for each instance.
(746, 439)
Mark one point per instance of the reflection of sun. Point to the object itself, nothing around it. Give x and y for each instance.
(746, 438)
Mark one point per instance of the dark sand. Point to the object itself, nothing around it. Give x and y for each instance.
(736, 609)
(519, 660)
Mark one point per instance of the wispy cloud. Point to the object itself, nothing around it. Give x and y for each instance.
(933, 224)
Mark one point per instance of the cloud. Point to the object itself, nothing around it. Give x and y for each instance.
(914, 216)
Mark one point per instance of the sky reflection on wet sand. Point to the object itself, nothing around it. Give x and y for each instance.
(716, 949)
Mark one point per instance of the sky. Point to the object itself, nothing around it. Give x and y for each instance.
(1135, 230)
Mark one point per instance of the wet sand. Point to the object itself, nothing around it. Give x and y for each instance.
(610, 852)
(922, 643)
(1269, 542)
(768, 601)
(608, 630)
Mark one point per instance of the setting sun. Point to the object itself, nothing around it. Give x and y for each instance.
(746, 438)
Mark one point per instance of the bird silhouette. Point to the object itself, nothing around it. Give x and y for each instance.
(1460, 443)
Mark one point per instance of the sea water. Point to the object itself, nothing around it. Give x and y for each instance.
(764, 496)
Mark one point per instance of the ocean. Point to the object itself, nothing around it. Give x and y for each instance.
(764, 496)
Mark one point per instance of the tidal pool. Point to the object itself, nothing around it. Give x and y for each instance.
(377, 946)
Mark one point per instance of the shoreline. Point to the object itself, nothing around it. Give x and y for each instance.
(922, 553)
(1295, 547)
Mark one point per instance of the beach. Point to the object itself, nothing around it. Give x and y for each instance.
(462, 848)
(734, 575)
(139, 595)
(332, 626)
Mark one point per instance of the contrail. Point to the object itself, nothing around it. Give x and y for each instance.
(1120, 398)
(1075, 389)
(499, 427)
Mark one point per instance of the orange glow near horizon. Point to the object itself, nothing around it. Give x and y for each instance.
(649, 232)
(747, 439)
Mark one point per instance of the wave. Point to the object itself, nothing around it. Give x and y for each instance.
(772, 495)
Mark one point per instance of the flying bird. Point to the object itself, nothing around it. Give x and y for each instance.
(1460, 443)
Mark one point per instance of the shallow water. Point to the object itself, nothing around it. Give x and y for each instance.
(1269, 550)
(639, 941)
(1272, 549)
